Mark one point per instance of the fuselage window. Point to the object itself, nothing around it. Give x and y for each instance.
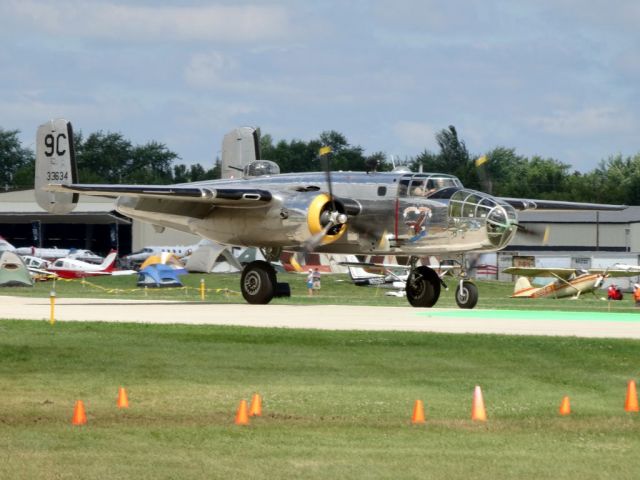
(382, 191)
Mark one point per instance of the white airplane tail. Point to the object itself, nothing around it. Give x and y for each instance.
(521, 284)
(55, 164)
(240, 147)
(109, 262)
(359, 276)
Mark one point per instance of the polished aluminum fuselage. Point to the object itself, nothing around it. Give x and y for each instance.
(385, 218)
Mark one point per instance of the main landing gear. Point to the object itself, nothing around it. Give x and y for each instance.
(259, 283)
(424, 285)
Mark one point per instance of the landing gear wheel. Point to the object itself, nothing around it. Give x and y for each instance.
(467, 295)
(258, 282)
(423, 287)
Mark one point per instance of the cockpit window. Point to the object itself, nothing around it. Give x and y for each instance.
(426, 185)
(418, 188)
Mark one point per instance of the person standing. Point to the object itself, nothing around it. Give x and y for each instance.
(310, 283)
(636, 294)
(316, 279)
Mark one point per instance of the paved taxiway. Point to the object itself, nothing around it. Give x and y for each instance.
(329, 317)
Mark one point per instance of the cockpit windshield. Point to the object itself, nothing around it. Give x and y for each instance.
(425, 185)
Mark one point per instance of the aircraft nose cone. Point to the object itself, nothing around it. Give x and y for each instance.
(499, 218)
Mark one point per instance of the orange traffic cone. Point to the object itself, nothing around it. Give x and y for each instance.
(631, 403)
(418, 413)
(242, 415)
(79, 416)
(478, 412)
(255, 409)
(565, 406)
(123, 401)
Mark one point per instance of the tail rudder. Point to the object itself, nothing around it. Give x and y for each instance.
(55, 165)
(109, 262)
(521, 287)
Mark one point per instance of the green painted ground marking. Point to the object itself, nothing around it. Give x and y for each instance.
(537, 315)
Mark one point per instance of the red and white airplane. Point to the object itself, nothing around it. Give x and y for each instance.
(72, 268)
(568, 282)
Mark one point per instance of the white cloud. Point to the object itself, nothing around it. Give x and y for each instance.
(247, 23)
(588, 121)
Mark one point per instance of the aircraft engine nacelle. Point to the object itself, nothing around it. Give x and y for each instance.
(307, 219)
(325, 219)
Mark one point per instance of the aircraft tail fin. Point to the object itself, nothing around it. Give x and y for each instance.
(240, 147)
(109, 262)
(359, 275)
(522, 284)
(55, 164)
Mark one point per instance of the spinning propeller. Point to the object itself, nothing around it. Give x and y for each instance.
(330, 218)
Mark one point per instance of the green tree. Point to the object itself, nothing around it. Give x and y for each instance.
(103, 157)
(14, 159)
(501, 173)
(150, 164)
(453, 158)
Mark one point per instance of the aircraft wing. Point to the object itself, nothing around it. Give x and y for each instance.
(220, 196)
(615, 272)
(531, 204)
(540, 272)
(380, 266)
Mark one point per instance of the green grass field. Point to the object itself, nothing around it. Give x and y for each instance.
(335, 404)
(336, 289)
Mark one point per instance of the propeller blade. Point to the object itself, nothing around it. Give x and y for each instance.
(483, 174)
(325, 157)
(542, 235)
(312, 243)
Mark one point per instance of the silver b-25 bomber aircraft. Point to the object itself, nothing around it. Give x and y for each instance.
(372, 213)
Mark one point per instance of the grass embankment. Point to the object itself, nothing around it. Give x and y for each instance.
(336, 289)
(336, 404)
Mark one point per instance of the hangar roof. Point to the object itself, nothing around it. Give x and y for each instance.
(24, 201)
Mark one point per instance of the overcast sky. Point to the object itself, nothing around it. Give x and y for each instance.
(556, 78)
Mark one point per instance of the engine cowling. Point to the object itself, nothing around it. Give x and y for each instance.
(323, 211)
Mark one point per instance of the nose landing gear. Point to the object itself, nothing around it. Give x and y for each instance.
(424, 286)
(466, 294)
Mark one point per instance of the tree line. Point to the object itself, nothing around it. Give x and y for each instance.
(111, 158)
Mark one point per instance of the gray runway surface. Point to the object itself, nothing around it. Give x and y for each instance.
(329, 317)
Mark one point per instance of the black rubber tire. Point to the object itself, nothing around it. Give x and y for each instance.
(258, 282)
(423, 290)
(467, 297)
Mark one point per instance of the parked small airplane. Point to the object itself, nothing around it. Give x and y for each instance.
(38, 267)
(370, 213)
(140, 256)
(569, 282)
(73, 268)
(392, 277)
(388, 276)
(55, 253)
(627, 268)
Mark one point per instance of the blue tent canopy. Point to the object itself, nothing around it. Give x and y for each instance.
(160, 275)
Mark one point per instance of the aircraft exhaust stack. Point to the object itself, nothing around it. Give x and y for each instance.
(55, 164)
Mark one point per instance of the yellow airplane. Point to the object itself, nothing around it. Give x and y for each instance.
(568, 282)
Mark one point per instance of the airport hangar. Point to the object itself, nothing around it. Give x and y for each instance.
(95, 225)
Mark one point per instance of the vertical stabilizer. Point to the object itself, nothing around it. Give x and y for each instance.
(522, 288)
(55, 164)
(240, 147)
